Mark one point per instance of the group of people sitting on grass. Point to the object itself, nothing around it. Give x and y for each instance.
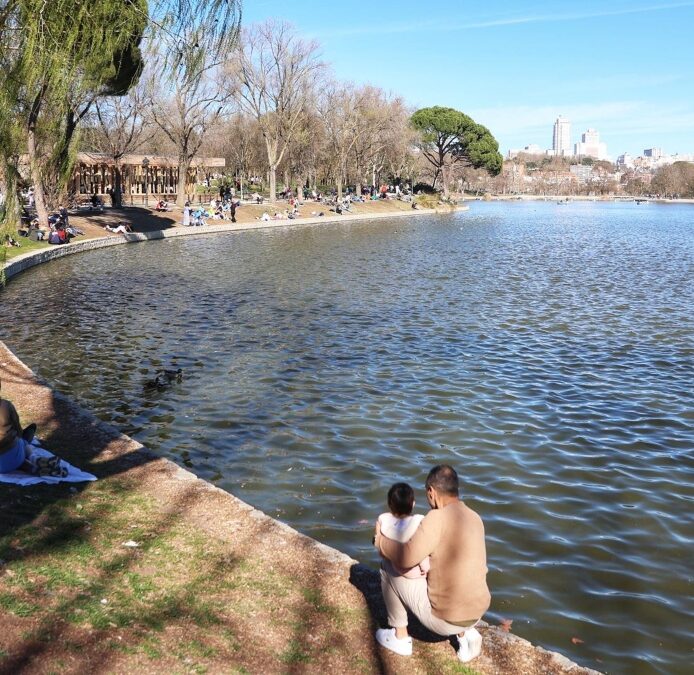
(219, 209)
(280, 215)
(59, 229)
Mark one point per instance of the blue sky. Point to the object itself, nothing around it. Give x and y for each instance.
(625, 68)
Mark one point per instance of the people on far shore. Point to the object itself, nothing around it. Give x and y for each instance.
(455, 595)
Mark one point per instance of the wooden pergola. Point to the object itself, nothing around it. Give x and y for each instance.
(143, 176)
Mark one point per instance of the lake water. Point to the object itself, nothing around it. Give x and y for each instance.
(545, 351)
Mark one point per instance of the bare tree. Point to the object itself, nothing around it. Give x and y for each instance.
(242, 146)
(376, 125)
(122, 126)
(307, 152)
(273, 78)
(341, 109)
(186, 114)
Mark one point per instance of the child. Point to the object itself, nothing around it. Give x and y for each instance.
(400, 525)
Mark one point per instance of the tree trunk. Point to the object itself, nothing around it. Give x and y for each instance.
(273, 182)
(338, 180)
(117, 189)
(39, 197)
(183, 166)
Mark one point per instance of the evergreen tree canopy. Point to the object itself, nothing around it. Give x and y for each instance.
(449, 136)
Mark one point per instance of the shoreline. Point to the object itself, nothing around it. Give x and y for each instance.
(334, 598)
(581, 198)
(23, 261)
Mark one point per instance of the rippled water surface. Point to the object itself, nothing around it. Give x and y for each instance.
(544, 351)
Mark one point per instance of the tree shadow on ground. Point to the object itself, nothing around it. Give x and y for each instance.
(65, 430)
(141, 219)
(72, 590)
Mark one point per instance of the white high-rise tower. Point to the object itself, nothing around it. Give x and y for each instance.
(561, 139)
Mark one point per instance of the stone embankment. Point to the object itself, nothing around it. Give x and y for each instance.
(152, 570)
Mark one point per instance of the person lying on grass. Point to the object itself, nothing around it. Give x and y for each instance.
(120, 228)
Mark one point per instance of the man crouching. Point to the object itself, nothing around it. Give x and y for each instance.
(456, 595)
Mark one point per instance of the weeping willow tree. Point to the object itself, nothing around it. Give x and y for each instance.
(58, 57)
(187, 89)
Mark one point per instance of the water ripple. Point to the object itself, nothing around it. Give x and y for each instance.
(548, 356)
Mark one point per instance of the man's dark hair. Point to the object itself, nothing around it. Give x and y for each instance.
(401, 499)
(443, 479)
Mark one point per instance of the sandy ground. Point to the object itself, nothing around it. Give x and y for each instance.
(144, 219)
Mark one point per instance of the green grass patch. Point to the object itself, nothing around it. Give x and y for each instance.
(315, 598)
(59, 577)
(27, 245)
(295, 653)
(151, 647)
(11, 603)
(460, 669)
(196, 648)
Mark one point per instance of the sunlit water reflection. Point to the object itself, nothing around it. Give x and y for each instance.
(544, 351)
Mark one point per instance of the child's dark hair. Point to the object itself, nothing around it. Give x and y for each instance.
(401, 499)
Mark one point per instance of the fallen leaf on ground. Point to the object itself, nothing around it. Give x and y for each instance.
(130, 544)
(505, 625)
(577, 641)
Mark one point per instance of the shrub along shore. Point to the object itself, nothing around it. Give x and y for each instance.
(150, 569)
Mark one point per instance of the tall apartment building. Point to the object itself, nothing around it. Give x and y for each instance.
(590, 146)
(561, 139)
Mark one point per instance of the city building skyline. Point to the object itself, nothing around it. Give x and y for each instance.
(561, 137)
(638, 95)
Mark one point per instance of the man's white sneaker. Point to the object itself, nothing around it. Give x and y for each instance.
(386, 638)
(470, 645)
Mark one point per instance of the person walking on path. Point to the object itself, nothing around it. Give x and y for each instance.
(456, 594)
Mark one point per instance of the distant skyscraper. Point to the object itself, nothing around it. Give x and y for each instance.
(561, 139)
(655, 153)
(590, 145)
